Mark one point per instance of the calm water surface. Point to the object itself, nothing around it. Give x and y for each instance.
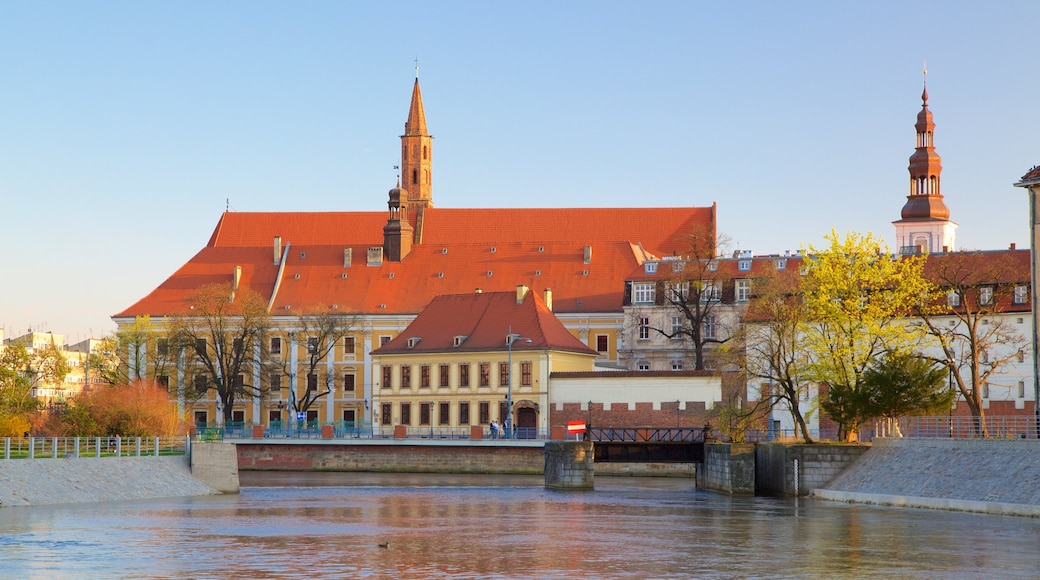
(331, 525)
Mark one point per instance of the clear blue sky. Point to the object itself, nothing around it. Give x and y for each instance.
(124, 126)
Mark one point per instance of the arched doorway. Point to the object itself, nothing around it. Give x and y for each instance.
(527, 421)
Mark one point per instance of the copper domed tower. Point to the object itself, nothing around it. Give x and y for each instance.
(925, 226)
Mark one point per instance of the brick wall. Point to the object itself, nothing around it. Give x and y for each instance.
(391, 458)
(643, 415)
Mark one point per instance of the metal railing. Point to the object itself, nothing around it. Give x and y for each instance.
(662, 434)
(62, 447)
(945, 427)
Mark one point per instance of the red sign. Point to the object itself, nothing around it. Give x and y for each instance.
(575, 426)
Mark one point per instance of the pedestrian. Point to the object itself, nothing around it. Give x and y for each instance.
(494, 429)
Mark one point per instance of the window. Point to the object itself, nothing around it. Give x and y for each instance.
(201, 384)
(406, 376)
(986, 295)
(642, 366)
(677, 365)
(525, 373)
(953, 299)
(1019, 297)
(349, 416)
(237, 346)
(274, 416)
(312, 418)
(781, 264)
(443, 413)
(424, 376)
(312, 344)
(406, 413)
(463, 413)
(678, 266)
(601, 343)
(743, 290)
(349, 346)
(677, 326)
(485, 412)
(163, 380)
(238, 416)
(644, 328)
(463, 374)
(162, 346)
(679, 292)
(503, 413)
(348, 383)
(643, 292)
(201, 418)
(276, 382)
(710, 291)
(485, 374)
(200, 346)
(384, 339)
(650, 267)
(424, 413)
(386, 417)
(312, 382)
(1021, 356)
(744, 265)
(276, 345)
(710, 327)
(1021, 389)
(503, 374)
(387, 376)
(443, 376)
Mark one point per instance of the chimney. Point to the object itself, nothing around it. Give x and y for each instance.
(521, 293)
(238, 277)
(277, 250)
(1012, 246)
(548, 298)
(478, 291)
(347, 255)
(588, 254)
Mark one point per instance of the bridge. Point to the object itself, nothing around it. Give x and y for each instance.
(648, 444)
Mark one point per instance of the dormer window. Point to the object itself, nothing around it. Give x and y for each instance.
(413, 341)
(459, 339)
(781, 264)
(744, 265)
(650, 267)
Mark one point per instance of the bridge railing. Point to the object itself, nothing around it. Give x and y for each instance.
(662, 434)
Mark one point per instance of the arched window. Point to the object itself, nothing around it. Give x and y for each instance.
(424, 153)
(415, 176)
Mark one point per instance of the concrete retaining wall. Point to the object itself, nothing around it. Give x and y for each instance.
(816, 465)
(729, 468)
(216, 465)
(25, 482)
(999, 476)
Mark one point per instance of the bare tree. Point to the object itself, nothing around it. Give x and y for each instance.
(141, 350)
(973, 290)
(222, 333)
(321, 329)
(695, 287)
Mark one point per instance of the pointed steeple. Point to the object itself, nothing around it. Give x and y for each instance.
(417, 154)
(925, 203)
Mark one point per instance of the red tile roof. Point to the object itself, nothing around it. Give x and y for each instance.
(485, 320)
(461, 250)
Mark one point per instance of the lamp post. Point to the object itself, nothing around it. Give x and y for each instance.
(508, 426)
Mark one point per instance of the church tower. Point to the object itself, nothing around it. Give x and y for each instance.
(416, 155)
(925, 226)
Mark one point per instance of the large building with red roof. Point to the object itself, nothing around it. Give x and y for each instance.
(384, 267)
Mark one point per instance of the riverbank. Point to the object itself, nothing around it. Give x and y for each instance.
(27, 482)
(996, 476)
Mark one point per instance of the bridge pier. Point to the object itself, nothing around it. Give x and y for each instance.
(569, 465)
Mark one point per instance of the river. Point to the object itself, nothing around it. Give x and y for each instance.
(335, 525)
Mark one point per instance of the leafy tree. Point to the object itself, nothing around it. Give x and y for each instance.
(223, 331)
(856, 296)
(902, 384)
(22, 370)
(140, 350)
(973, 290)
(137, 409)
(321, 329)
(773, 350)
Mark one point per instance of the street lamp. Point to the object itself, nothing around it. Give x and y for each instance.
(510, 338)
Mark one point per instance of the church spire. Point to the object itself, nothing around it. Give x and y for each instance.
(925, 208)
(417, 153)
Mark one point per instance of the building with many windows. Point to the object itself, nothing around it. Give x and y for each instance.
(381, 268)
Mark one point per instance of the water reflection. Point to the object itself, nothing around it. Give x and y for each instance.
(332, 524)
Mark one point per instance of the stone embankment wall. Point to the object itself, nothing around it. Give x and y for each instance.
(729, 468)
(569, 465)
(26, 482)
(800, 468)
(391, 457)
(1000, 476)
